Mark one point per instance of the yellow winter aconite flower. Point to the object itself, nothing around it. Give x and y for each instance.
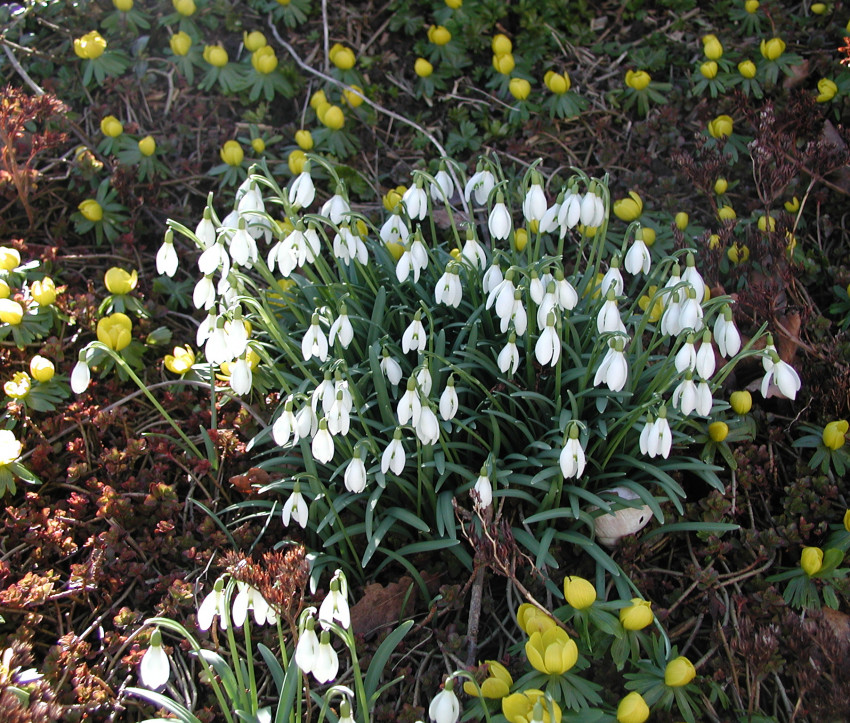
(342, 57)
(519, 707)
(10, 447)
(254, 40)
(834, 434)
(504, 63)
(579, 593)
(90, 46)
(531, 619)
(720, 126)
(110, 126)
(318, 98)
(501, 44)
(628, 209)
(497, 684)
(9, 258)
(637, 79)
(180, 43)
(304, 139)
(826, 90)
(422, 68)
(519, 88)
(115, 331)
(818, 8)
(647, 235)
(392, 198)
(11, 312)
(632, 709)
(708, 69)
(738, 254)
(184, 7)
(251, 357)
(333, 117)
(181, 360)
(766, 223)
(5, 289)
(558, 83)
(264, 60)
(41, 368)
(747, 68)
(215, 55)
(811, 560)
(679, 671)
(439, 35)
(772, 49)
(847, 520)
(258, 144)
(682, 219)
(712, 47)
(18, 386)
(793, 205)
(119, 281)
(721, 185)
(726, 213)
(718, 431)
(296, 161)
(552, 652)
(741, 401)
(147, 146)
(454, 4)
(714, 241)
(123, 5)
(353, 96)
(751, 6)
(231, 153)
(637, 615)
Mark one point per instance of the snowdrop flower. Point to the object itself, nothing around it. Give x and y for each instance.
(241, 377)
(307, 648)
(549, 222)
(484, 489)
(339, 420)
(499, 221)
(405, 266)
(613, 279)
(685, 395)
(243, 247)
(341, 328)
(394, 457)
(424, 381)
(704, 400)
(516, 315)
(726, 334)
(428, 428)
(166, 257)
(217, 348)
(80, 374)
(314, 343)
(418, 253)
(302, 192)
(203, 295)
(336, 208)
(502, 295)
(536, 288)
(306, 422)
(686, 357)
(335, 604)
(492, 278)
(355, 474)
(480, 185)
(346, 713)
(323, 395)
(414, 336)
(214, 258)
(473, 252)
(705, 362)
(205, 230)
(638, 257)
(783, 375)
(565, 293)
(394, 230)
(670, 323)
(570, 213)
(155, 668)
(285, 426)
(295, 508)
(592, 209)
(444, 187)
(548, 346)
(693, 277)
(249, 598)
(213, 606)
(415, 202)
(508, 359)
(448, 290)
(614, 369)
(547, 304)
(608, 319)
(690, 313)
(326, 662)
(391, 368)
(534, 205)
(448, 400)
(323, 443)
(410, 405)
(347, 246)
(656, 437)
(445, 707)
(572, 458)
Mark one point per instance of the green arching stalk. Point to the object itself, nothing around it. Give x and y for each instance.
(249, 657)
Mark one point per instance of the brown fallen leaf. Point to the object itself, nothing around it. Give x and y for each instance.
(248, 483)
(382, 606)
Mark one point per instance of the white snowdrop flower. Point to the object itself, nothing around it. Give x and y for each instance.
(155, 669)
(570, 212)
(474, 253)
(445, 707)
(394, 230)
(355, 475)
(588, 209)
(534, 205)
(694, 278)
(312, 246)
(323, 443)
(599, 211)
(391, 368)
(549, 222)
(428, 428)
(307, 648)
(243, 247)
(213, 606)
(548, 346)
(314, 343)
(217, 348)
(80, 374)
(480, 185)
(414, 336)
(608, 319)
(547, 305)
(448, 290)
(335, 604)
(656, 437)
(704, 401)
(536, 288)
(418, 253)
(341, 388)
(499, 221)
(405, 266)
(302, 192)
(448, 400)
(726, 334)
(670, 323)
(237, 334)
(565, 293)
(444, 187)
(295, 508)
(227, 294)
(783, 375)
(203, 296)
(346, 711)
(323, 395)
(341, 329)
(492, 278)
(394, 457)
(345, 245)
(275, 260)
(705, 361)
(228, 225)
(306, 422)
(326, 664)
(166, 256)
(502, 295)
(205, 230)
(415, 202)
(339, 420)
(241, 377)
(517, 316)
(484, 489)
(614, 369)
(572, 458)
(249, 598)
(424, 381)
(685, 395)
(214, 258)
(690, 313)
(613, 279)
(336, 208)
(410, 405)
(205, 328)
(686, 357)
(508, 359)
(638, 258)
(284, 426)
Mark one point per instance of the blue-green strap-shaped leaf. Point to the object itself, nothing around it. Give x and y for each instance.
(172, 706)
(274, 666)
(381, 658)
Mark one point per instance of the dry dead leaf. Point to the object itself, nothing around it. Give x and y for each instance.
(382, 606)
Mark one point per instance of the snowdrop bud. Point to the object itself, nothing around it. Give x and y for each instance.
(638, 258)
(613, 279)
(307, 648)
(341, 329)
(693, 277)
(448, 400)
(685, 395)
(205, 230)
(534, 205)
(394, 457)
(726, 335)
(484, 489)
(323, 443)
(686, 357)
(499, 221)
(391, 368)
(326, 663)
(508, 360)
(155, 668)
(355, 474)
(548, 346)
(428, 428)
(410, 405)
(314, 343)
(444, 188)
(166, 257)
(302, 192)
(240, 377)
(335, 604)
(572, 458)
(80, 375)
(704, 400)
(705, 363)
